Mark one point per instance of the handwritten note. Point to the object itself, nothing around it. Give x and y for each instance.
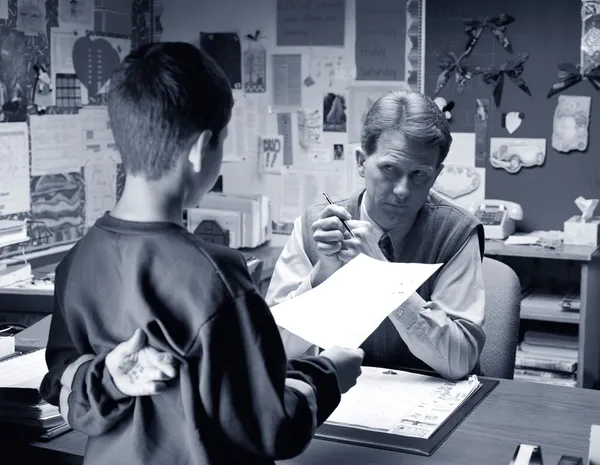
(271, 154)
(310, 128)
(100, 188)
(56, 144)
(380, 51)
(310, 22)
(287, 80)
(14, 169)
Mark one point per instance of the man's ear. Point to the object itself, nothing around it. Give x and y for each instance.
(199, 149)
(361, 158)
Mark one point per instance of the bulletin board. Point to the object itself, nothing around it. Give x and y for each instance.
(69, 177)
(303, 73)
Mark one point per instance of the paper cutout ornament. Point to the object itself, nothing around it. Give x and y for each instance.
(512, 120)
(456, 181)
(94, 60)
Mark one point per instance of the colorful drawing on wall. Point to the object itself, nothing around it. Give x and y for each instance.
(482, 109)
(512, 154)
(512, 120)
(225, 49)
(334, 113)
(495, 24)
(255, 65)
(571, 121)
(513, 69)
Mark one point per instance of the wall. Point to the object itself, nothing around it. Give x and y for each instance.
(550, 31)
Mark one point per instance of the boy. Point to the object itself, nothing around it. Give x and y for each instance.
(236, 400)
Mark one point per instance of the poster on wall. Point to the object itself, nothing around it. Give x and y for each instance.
(226, 50)
(310, 23)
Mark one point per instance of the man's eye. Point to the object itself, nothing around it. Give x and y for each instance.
(420, 174)
(388, 167)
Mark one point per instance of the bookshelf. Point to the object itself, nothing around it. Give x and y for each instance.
(554, 270)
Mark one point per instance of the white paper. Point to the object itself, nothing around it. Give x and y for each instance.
(76, 15)
(271, 154)
(310, 128)
(461, 185)
(96, 132)
(56, 144)
(31, 17)
(25, 371)
(290, 202)
(100, 188)
(3, 9)
(320, 156)
(401, 403)
(255, 120)
(512, 154)
(15, 196)
(594, 453)
(345, 309)
(462, 149)
(248, 121)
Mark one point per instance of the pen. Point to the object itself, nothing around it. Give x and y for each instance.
(343, 221)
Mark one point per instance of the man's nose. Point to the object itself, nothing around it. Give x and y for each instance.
(401, 188)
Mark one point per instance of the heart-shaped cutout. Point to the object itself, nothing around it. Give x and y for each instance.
(94, 61)
(456, 181)
(513, 120)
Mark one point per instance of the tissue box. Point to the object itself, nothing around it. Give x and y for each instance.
(578, 233)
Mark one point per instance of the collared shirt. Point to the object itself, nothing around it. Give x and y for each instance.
(445, 333)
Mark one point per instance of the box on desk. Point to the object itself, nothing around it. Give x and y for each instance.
(577, 232)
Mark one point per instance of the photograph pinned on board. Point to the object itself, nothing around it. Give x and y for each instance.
(338, 152)
(334, 113)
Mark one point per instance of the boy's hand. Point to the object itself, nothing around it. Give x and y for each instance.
(140, 370)
(347, 364)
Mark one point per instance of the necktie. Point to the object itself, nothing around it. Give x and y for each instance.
(385, 244)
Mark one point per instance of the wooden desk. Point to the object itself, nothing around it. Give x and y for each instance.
(556, 418)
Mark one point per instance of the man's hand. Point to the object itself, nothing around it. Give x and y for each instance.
(366, 241)
(347, 365)
(138, 369)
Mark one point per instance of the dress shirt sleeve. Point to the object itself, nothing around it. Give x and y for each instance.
(446, 333)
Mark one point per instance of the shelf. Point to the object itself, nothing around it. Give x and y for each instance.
(546, 307)
(580, 253)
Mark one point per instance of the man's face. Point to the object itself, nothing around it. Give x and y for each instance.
(398, 177)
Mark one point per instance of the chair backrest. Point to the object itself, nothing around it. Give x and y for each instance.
(502, 316)
(255, 268)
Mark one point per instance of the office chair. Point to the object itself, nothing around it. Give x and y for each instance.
(502, 316)
(255, 268)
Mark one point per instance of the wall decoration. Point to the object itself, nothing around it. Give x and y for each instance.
(310, 23)
(338, 152)
(456, 180)
(571, 120)
(255, 65)
(445, 106)
(334, 113)
(451, 65)
(512, 154)
(513, 69)
(512, 120)
(31, 17)
(42, 97)
(496, 24)
(482, 110)
(225, 49)
(590, 34)
(271, 154)
(569, 75)
(310, 128)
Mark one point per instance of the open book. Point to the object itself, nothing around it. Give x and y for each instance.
(402, 403)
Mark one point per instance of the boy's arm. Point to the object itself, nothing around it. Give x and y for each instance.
(262, 402)
(79, 384)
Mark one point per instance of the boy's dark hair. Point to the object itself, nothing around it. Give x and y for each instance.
(160, 99)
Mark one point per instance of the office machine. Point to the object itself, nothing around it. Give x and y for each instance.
(498, 217)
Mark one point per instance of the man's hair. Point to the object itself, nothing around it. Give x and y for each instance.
(414, 114)
(159, 101)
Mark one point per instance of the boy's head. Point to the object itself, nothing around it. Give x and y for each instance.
(169, 105)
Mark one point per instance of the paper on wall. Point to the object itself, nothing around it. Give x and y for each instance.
(97, 134)
(310, 128)
(461, 185)
(76, 15)
(512, 154)
(15, 194)
(290, 200)
(270, 154)
(571, 121)
(462, 149)
(3, 9)
(248, 121)
(287, 81)
(56, 144)
(345, 309)
(100, 187)
(31, 17)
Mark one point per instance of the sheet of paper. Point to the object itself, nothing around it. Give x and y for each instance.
(310, 22)
(310, 128)
(255, 120)
(97, 135)
(482, 110)
(271, 154)
(287, 81)
(25, 371)
(234, 148)
(76, 15)
(31, 17)
(511, 153)
(3, 9)
(15, 194)
(461, 185)
(401, 403)
(360, 99)
(462, 150)
(284, 128)
(100, 187)
(380, 46)
(290, 203)
(594, 453)
(56, 144)
(361, 295)
(114, 17)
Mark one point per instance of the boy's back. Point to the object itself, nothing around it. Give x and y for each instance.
(196, 301)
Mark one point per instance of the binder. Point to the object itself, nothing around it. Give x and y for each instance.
(410, 445)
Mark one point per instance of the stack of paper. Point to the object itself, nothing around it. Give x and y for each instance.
(344, 310)
(402, 403)
(12, 232)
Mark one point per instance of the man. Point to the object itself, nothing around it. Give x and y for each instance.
(404, 142)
